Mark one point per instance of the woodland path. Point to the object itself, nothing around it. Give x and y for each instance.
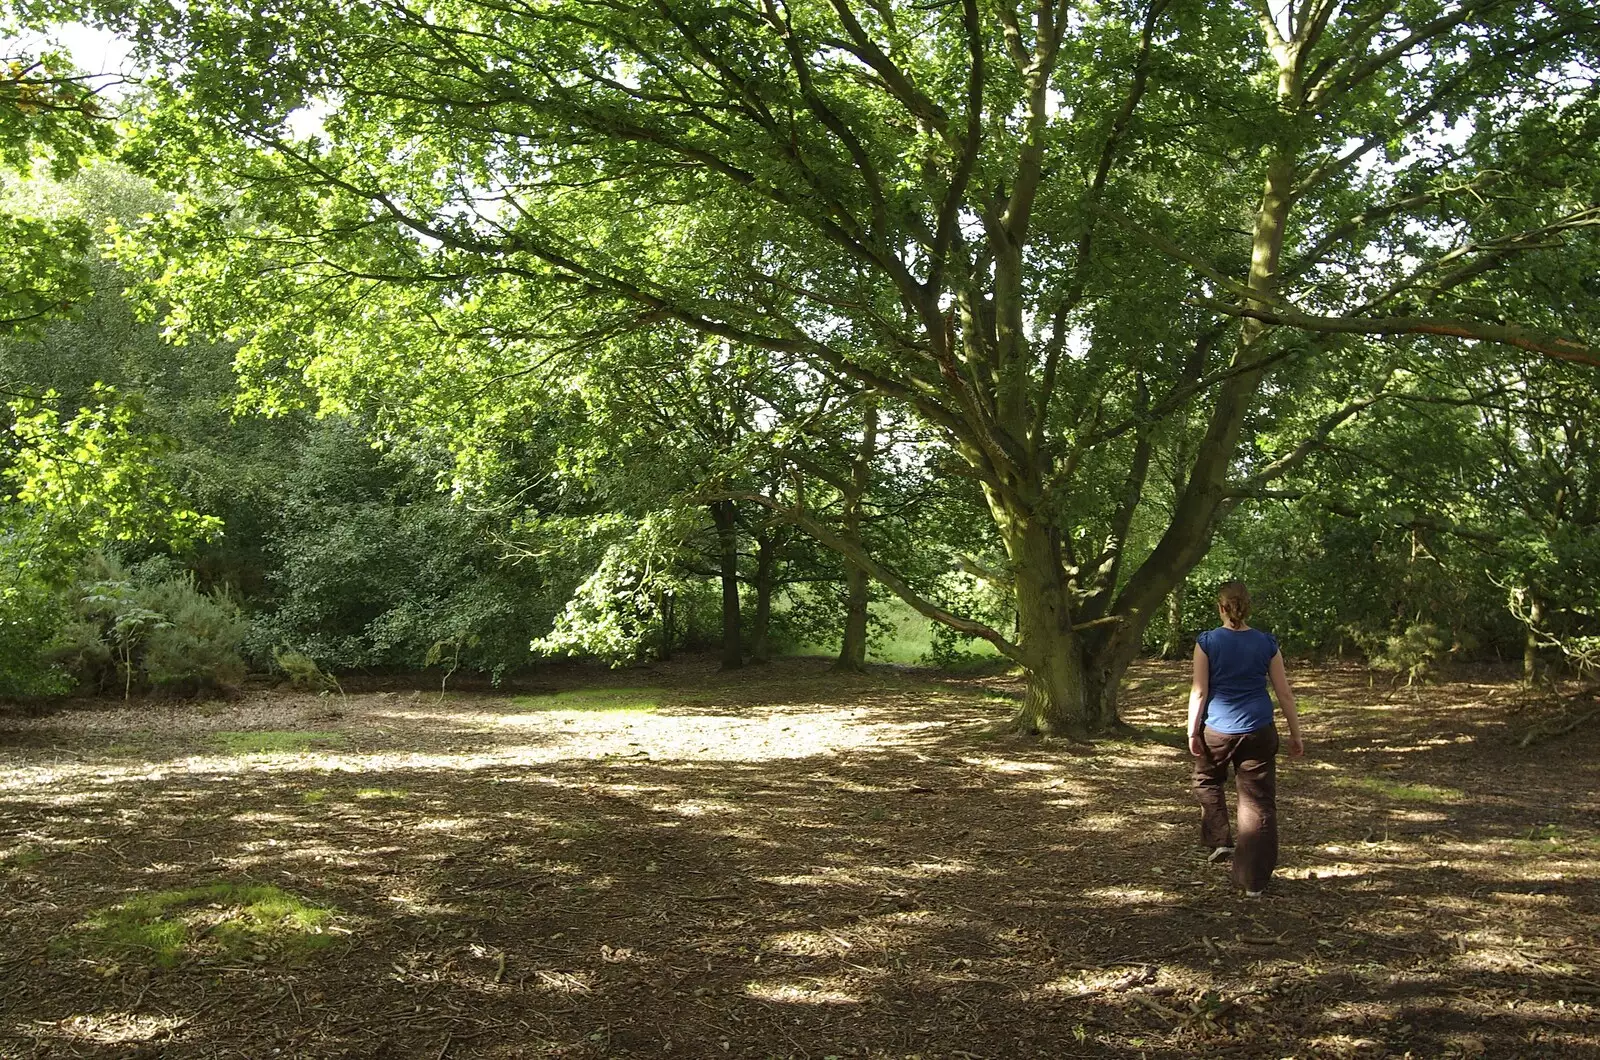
(784, 863)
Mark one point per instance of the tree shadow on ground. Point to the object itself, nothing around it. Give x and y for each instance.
(831, 867)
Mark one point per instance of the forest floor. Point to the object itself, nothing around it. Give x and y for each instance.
(785, 862)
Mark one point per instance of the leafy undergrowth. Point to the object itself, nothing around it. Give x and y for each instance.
(784, 863)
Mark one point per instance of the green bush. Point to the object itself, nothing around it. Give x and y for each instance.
(373, 567)
(1415, 652)
(80, 654)
(33, 620)
(197, 648)
(151, 627)
(303, 672)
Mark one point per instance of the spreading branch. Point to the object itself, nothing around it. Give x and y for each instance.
(1470, 330)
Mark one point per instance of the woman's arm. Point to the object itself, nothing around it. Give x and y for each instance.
(1199, 692)
(1280, 685)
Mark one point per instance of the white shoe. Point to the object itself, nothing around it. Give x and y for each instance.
(1254, 894)
(1218, 853)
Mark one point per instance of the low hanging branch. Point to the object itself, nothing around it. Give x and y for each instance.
(1406, 518)
(857, 555)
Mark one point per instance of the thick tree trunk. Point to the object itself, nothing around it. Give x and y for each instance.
(1205, 497)
(853, 649)
(1055, 702)
(1106, 665)
(724, 516)
(766, 561)
(1084, 674)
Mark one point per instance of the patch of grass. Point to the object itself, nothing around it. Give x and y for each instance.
(594, 701)
(1555, 839)
(1170, 735)
(1158, 686)
(22, 858)
(1307, 705)
(314, 797)
(274, 741)
(910, 638)
(979, 663)
(134, 742)
(574, 830)
(390, 794)
(1395, 789)
(1553, 832)
(235, 920)
(907, 641)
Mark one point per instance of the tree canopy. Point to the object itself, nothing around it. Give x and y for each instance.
(1075, 241)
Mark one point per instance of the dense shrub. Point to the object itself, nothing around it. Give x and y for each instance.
(33, 620)
(1329, 585)
(150, 627)
(198, 645)
(373, 567)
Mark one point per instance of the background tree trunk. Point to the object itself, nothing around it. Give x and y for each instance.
(761, 624)
(668, 607)
(1172, 646)
(725, 517)
(1531, 669)
(853, 648)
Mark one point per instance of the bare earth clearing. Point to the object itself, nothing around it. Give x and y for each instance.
(784, 863)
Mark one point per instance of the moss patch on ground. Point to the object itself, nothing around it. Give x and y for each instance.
(21, 858)
(594, 701)
(382, 794)
(230, 919)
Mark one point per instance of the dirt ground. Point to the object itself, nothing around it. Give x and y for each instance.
(786, 863)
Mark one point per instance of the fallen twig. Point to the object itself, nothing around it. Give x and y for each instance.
(1142, 974)
(1539, 732)
(1158, 1008)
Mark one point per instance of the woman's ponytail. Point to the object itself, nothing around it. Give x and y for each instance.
(1234, 599)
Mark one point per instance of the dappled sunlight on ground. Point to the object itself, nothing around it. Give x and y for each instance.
(800, 864)
(112, 1028)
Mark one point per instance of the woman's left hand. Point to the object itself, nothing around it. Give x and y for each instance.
(1197, 746)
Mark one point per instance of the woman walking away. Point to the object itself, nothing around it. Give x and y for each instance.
(1230, 724)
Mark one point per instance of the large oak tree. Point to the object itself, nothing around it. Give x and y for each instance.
(1067, 235)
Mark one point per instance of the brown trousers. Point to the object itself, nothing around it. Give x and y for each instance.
(1253, 756)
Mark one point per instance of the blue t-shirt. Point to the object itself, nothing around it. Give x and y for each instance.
(1238, 661)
